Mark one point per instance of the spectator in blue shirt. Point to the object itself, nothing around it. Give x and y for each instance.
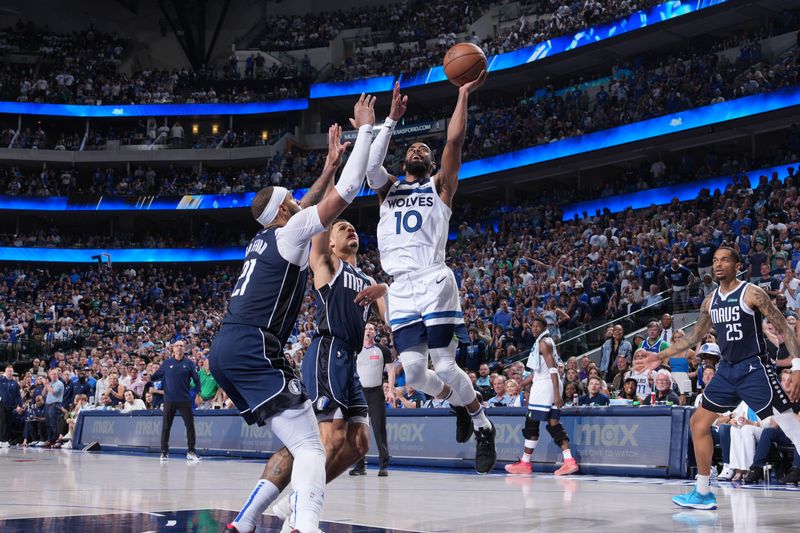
(502, 317)
(53, 405)
(177, 373)
(593, 395)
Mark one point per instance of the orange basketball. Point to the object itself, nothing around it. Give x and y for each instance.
(463, 63)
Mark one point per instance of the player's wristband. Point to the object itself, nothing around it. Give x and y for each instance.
(389, 123)
(554, 370)
(796, 364)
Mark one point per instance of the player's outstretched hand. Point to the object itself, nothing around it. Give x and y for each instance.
(336, 148)
(370, 295)
(794, 387)
(474, 85)
(399, 103)
(363, 111)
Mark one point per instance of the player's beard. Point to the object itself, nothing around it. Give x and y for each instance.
(418, 168)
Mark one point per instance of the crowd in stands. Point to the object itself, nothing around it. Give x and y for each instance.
(145, 132)
(404, 21)
(107, 330)
(50, 236)
(84, 68)
(527, 31)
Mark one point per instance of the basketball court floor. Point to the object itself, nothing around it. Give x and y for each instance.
(66, 491)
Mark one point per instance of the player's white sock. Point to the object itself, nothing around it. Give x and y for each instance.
(567, 454)
(263, 494)
(703, 484)
(479, 419)
(529, 445)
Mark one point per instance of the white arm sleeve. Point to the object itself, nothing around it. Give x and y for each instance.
(377, 176)
(293, 239)
(353, 173)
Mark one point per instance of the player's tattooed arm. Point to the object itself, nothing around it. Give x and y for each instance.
(690, 341)
(756, 298)
(333, 161)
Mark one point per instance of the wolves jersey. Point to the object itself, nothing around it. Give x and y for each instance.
(269, 291)
(337, 313)
(738, 327)
(536, 362)
(413, 227)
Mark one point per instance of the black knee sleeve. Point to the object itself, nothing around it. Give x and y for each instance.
(531, 429)
(558, 433)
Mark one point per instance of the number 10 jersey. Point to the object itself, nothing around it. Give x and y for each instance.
(413, 227)
(739, 333)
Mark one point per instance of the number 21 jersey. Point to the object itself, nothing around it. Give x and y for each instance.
(413, 227)
(739, 333)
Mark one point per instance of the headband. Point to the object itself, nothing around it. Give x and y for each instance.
(271, 210)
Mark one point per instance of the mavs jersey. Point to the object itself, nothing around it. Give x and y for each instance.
(269, 291)
(337, 313)
(738, 327)
(413, 227)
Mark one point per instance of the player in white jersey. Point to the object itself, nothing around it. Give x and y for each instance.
(544, 403)
(424, 307)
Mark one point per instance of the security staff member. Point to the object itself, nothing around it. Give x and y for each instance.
(175, 373)
(10, 401)
(370, 364)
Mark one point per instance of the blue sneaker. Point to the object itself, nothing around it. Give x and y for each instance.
(695, 500)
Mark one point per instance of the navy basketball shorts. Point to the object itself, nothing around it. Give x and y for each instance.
(248, 363)
(752, 381)
(330, 377)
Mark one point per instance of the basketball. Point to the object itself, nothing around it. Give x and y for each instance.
(463, 63)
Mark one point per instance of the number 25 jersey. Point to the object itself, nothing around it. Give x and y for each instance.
(413, 227)
(738, 328)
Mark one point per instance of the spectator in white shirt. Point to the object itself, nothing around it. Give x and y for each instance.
(132, 403)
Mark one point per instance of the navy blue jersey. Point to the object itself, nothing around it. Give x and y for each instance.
(269, 291)
(738, 327)
(337, 313)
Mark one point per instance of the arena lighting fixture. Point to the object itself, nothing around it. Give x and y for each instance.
(214, 129)
(195, 129)
(121, 255)
(784, 99)
(152, 110)
(264, 135)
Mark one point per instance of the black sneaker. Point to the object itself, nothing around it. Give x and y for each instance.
(485, 453)
(383, 473)
(792, 477)
(358, 472)
(755, 475)
(464, 428)
(164, 457)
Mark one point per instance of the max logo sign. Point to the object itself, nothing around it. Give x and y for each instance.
(405, 432)
(606, 434)
(508, 433)
(103, 427)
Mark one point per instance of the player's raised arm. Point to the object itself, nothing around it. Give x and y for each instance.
(378, 178)
(447, 177)
(321, 257)
(756, 298)
(332, 163)
(688, 342)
